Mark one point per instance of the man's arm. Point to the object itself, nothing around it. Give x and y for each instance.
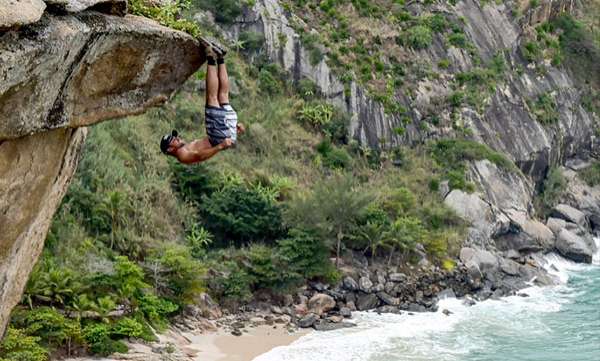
(203, 152)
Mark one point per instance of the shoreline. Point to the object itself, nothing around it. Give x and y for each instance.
(223, 346)
(214, 345)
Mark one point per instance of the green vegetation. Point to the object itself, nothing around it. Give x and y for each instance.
(591, 174)
(545, 109)
(167, 15)
(551, 190)
(454, 154)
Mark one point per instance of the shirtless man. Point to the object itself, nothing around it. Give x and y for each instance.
(222, 125)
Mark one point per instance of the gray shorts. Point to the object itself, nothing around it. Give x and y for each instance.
(221, 123)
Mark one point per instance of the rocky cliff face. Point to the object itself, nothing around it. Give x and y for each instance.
(501, 213)
(60, 72)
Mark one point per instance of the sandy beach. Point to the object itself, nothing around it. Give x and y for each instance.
(210, 346)
(221, 346)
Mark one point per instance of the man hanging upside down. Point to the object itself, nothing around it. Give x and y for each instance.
(222, 125)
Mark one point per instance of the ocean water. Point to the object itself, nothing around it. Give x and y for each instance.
(559, 323)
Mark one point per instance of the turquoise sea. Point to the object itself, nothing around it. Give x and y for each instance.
(559, 323)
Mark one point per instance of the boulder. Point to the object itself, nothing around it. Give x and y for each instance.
(387, 299)
(308, 320)
(15, 13)
(345, 312)
(397, 277)
(570, 214)
(365, 284)
(113, 7)
(446, 293)
(509, 267)
(539, 235)
(73, 71)
(320, 303)
(556, 224)
(207, 307)
(481, 215)
(350, 284)
(573, 247)
(367, 302)
(482, 260)
(324, 325)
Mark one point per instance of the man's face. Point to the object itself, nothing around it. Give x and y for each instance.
(175, 144)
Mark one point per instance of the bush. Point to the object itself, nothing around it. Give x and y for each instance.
(452, 153)
(127, 327)
(552, 189)
(236, 285)
(17, 345)
(238, 214)
(179, 275)
(545, 109)
(97, 336)
(305, 254)
(316, 114)
(252, 41)
(52, 328)
(156, 309)
(591, 174)
(225, 11)
(419, 37)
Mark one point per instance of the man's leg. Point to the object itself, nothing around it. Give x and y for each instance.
(212, 83)
(223, 82)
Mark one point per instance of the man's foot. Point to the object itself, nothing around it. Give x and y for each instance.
(213, 45)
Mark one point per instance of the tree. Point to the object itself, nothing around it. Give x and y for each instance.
(331, 210)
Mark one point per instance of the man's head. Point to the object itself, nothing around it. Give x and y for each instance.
(170, 143)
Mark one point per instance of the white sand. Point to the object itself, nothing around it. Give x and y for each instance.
(220, 346)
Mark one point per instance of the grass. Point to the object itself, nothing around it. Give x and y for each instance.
(591, 174)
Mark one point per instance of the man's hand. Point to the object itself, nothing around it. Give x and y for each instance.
(241, 128)
(227, 143)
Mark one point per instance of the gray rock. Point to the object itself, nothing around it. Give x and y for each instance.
(15, 13)
(512, 254)
(308, 320)
(323, 325)
(556, 224)
(415, 307)
(480, 214)
(509, 267)
(367, 302)
(446, 293)
(365, 284)
(351, 306)
(397, 277)
(378, 288)
(573, 247)
(83, 69)
(389, 309)
(570, 214)
(482, 260)
(320, 303)
(114, 7)
(350, 284)
(387, 299)
(345, 312)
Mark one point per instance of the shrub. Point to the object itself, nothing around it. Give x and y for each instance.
(305, 255)
(458, 40)
(239, 214)
(198, 239)
(552, 189)
(127, 327)
(316, 114)
(545, 109)
(252, 41)
(419, 37)
(97, 336)
(453, 152)
(179, 274)
(591, 174)
(167, 14)
(156, 309)
(52, 328)
(236, 285)
(225, 11)
(17, 345)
